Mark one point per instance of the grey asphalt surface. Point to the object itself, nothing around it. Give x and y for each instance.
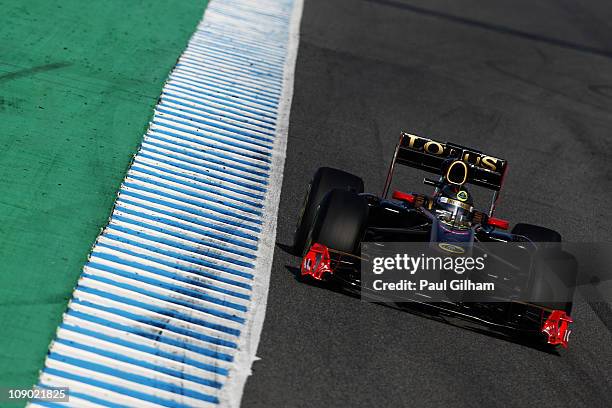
(527, 81)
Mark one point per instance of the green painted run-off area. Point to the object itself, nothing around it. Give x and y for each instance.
(78, 83)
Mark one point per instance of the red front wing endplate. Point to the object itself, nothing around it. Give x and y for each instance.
(556, 327)
(316, 262)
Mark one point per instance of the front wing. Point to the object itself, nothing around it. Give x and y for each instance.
(325, 264)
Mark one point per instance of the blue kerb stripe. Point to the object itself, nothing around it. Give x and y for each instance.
(242, 44)
(140, 363)
(216, 189)
(248, 55)
(168, 286)
(198, 203)
(236, 80)
(176, 266)
(222, 97)
(121, 389)
(234, 108)
(226, 166)
(219, 201)
(215, 108)
(206, 251)
(137, 378)
(247, 136)
(208, 152)
(162, 322)
(96, 400)
(202, 168)
(246, 45)
(210, 136)
(125, 193)
(221, 41)
(218, 86)
(157, 271)
(228, 128)
(248, 95)
(147, 349)
(86, 397)
(200, 107)
(225, 212)
(154, 168)
(198, 195)
(177, 255)
(239, 63)
(186, 227)
(166, 311)
(157, 336)
(231, 89)
(181, 235)
(124, 198)
(230, 76)
(268, 79)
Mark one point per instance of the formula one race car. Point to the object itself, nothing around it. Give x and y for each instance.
(337, 217)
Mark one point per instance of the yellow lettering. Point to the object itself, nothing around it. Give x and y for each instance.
(438, 146)
(490, 162)
(412, 139)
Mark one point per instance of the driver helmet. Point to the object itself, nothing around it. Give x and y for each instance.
(453, 206)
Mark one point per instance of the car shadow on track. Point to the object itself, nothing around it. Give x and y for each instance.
(418, 309)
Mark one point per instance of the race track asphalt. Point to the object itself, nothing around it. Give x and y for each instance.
(527, 81)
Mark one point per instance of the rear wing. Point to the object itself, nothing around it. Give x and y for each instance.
(429, 155)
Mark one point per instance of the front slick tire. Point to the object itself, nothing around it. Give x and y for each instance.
(554, 279)
(340, 221)
(324, 180)
(554, 272)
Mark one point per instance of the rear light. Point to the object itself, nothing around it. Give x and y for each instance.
(498, 223)
(398, 195)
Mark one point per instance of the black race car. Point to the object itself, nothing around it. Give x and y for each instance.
(535, 286)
